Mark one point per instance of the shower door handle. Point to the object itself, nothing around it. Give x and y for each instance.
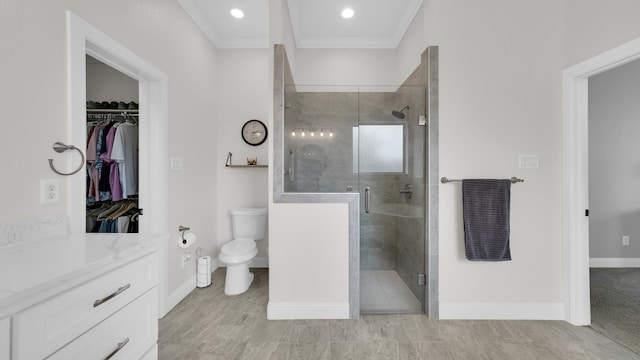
(367, 199)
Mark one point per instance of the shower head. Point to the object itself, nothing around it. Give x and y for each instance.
(399, 114)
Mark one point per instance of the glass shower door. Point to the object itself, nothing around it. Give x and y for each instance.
(389, 152)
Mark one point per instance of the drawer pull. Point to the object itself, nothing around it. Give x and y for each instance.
(120, 346)
(118, 292)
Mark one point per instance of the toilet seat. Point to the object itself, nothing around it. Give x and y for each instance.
(238, 250)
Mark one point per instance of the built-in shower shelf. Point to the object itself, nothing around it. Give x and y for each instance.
(246, 166)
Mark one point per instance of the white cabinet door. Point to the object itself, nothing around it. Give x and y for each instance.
(5, 338)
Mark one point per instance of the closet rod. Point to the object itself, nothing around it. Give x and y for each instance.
(113, 111)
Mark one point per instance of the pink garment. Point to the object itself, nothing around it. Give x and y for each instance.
(93, 144)
(114, 182)
(94, 184)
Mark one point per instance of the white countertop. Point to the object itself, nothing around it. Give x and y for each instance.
(33, 271)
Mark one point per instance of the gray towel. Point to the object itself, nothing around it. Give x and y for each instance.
(485, 204)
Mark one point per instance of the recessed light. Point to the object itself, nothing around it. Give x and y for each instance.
(347, 13)
(237, 13)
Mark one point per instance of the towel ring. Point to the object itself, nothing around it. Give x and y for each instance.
(60, 148)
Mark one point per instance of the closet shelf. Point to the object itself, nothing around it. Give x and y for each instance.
(111, 111)
(246, 166)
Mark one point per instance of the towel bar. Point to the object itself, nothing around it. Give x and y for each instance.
(445, 180)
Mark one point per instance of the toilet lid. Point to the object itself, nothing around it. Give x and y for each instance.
(239, 246)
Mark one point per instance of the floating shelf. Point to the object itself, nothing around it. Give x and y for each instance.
(246, 166)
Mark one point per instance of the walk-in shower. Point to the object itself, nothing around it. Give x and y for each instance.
(379, 152)
(371, 155)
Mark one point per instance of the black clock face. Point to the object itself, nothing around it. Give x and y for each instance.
(254, 132)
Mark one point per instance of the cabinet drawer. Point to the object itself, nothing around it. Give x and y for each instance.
(48, 326)
(127, 334)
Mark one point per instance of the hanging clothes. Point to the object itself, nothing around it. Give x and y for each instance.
(112, 173)
(125, 152)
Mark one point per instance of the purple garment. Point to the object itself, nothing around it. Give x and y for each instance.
(114, 181)
(91, 156)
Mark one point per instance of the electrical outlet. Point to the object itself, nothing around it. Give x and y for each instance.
(49, 191)
(625, 240)
(186, 258)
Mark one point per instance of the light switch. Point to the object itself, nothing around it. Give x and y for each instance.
(176, 163)
(528, 161)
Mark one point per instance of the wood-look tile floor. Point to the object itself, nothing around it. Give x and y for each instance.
(207, 324)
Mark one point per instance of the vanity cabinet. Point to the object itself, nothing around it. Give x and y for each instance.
(105, 307)
(43, 329)
(129, 333)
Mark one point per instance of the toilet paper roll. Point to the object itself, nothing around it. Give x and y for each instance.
(186, 240)
(204, 260)
(203, 275)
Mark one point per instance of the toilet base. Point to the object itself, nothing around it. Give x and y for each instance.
(238, 279)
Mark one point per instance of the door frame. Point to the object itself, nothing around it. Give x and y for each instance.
(575, 182)
(83, 39)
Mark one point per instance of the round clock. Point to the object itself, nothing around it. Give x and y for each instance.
(254, 132)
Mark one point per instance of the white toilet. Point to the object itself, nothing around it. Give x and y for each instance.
(248, 225)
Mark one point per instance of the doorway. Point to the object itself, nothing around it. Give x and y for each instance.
(614, 229)
(112, 150)
(576, 177)
(82, 40)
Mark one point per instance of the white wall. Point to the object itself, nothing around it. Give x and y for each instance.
(614, 161)
(33, 96)
(411, 47)
(500, 96)
(595, 26)
(105, 83)
(309, 254)
(242, 94)
(345, 67)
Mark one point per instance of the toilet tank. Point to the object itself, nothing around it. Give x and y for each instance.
(248, 223)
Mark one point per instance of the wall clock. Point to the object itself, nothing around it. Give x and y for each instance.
(254, 132)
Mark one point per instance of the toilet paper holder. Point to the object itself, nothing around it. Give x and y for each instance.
(183, 229)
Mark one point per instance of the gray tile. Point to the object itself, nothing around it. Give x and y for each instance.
(211, 325)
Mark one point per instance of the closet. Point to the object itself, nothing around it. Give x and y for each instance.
(111, 150)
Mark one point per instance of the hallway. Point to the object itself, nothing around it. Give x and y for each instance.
(615, 304)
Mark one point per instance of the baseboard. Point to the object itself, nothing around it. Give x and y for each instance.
(614, 262)
(502, 311)
(181, 293)
(257, 262)
(306, 311)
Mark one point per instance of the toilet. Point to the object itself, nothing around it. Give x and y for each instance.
(248, 225)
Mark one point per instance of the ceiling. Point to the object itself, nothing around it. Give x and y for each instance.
(377, 24)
